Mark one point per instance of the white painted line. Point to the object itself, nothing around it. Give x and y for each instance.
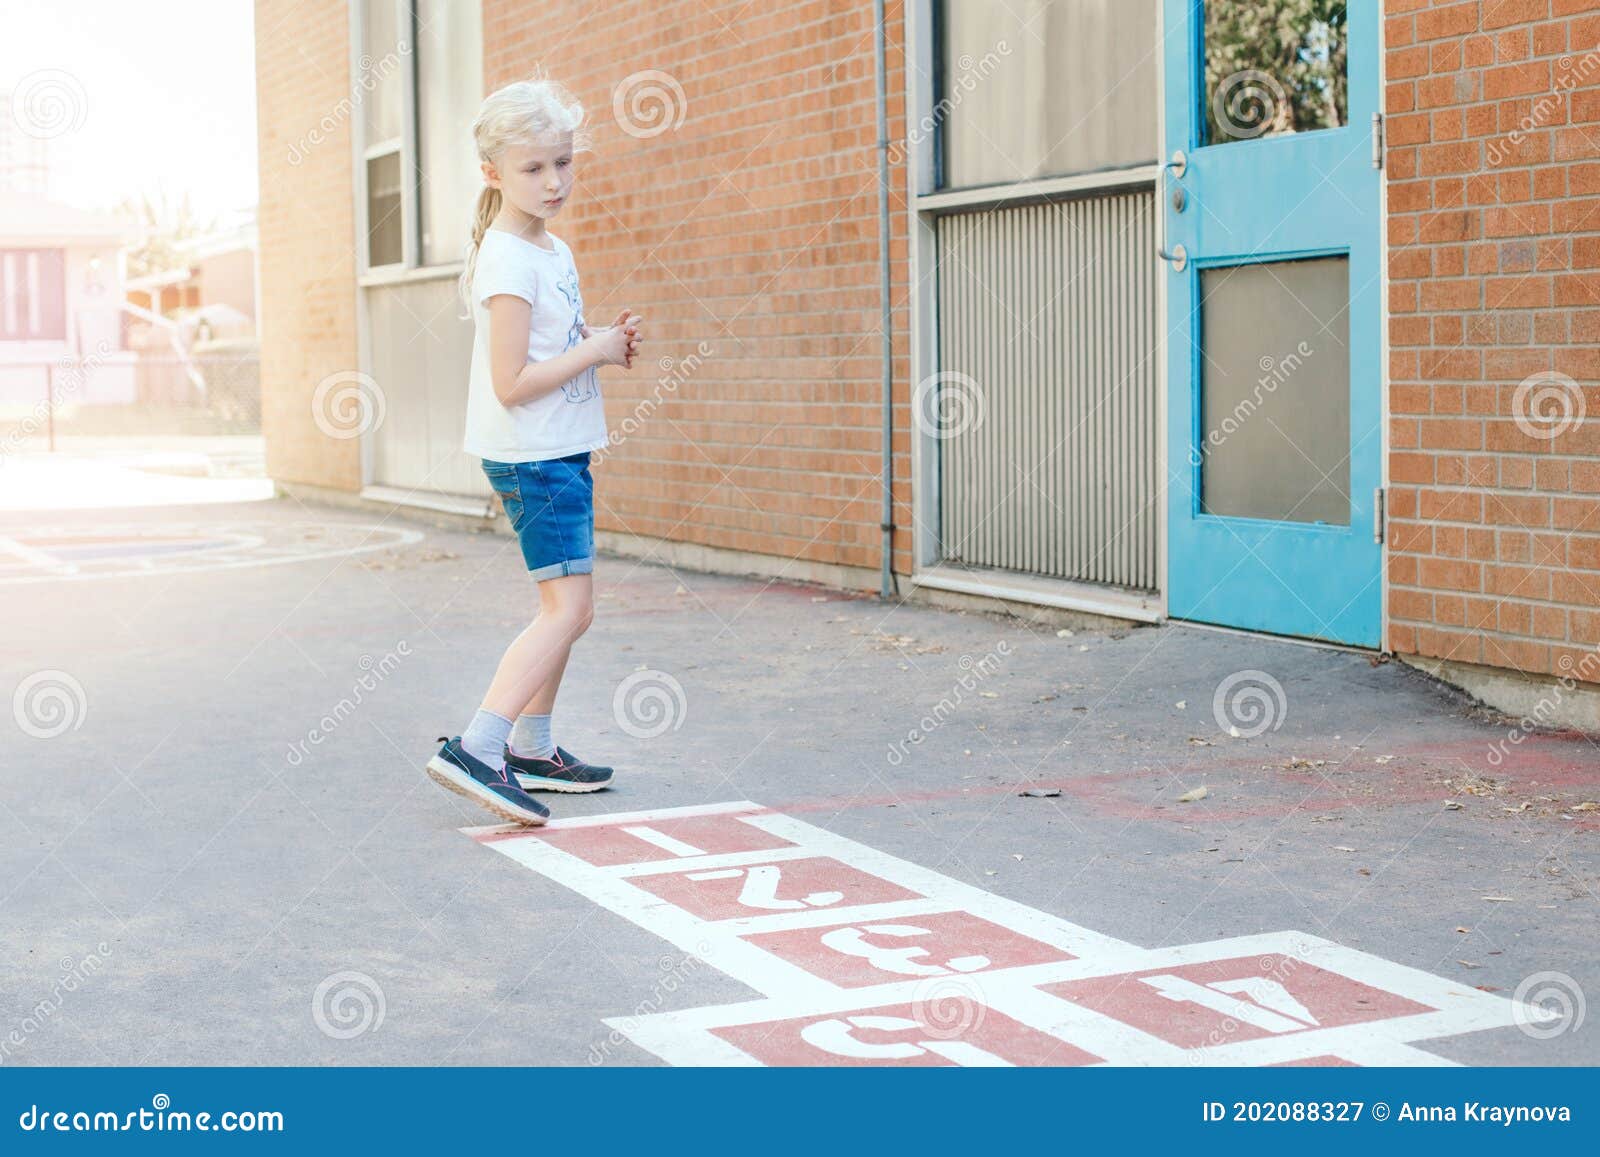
(818, 917)
(663, 841)
(607, 819)
(37, 558)
(724, 874)
(706, 863)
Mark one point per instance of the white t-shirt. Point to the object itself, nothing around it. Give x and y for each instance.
(565, 421)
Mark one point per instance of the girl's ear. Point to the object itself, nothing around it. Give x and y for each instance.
(490, 176)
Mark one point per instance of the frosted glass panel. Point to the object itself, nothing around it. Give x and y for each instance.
(1275, 391)
(1043, 88)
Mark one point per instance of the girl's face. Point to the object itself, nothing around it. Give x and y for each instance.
(533, 178)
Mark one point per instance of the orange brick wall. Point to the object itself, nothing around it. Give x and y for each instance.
(1494, 232)
(307, 229)
(752, 227)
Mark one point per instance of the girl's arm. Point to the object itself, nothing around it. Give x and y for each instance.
(517, 380)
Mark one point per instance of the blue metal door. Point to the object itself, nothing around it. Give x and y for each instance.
(1271, 204)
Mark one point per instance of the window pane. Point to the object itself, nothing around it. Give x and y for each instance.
(1043, 88)
(385, 52)
(384, 219)
(1275, 390)
(449, 88)
(1274, 67)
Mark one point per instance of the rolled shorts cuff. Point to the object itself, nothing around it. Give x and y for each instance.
(562, 569)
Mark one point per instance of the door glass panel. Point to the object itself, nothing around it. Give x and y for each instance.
(1275, 391)
(1274, 67)
(1042, 88)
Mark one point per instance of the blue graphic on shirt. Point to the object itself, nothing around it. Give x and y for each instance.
(582, 388)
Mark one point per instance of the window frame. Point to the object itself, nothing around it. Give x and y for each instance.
(411, 266)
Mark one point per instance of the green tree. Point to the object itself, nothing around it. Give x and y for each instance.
(1274, 66)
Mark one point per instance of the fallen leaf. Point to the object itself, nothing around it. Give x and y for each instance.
(989, 694)
(1453, 805)
(1233, 732)
(1586, 806)
(1193, 794)
(1041, 792)
(1521, 807)
(1182, 704)
(1469, 964)
(1198, 742)
(1016, 855)
(1463, 928)
(1382, 758)
(1499, 899)
(1342, 848)
(1063, 633)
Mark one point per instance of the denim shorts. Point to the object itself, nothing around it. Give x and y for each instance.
(551, 507)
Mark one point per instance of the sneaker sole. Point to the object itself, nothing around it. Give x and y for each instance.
(540, 783)
(450, 777)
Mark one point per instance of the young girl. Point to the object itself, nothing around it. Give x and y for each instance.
(533, 415)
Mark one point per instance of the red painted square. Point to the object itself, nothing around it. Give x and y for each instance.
(906, 948)
(610, 844)
(1218, 1002)
(934, 1034)
(763, 889)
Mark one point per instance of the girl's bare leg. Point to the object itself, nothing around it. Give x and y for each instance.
(544, 699)
(532, 665)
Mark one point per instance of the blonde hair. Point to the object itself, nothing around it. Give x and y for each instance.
(527, 112)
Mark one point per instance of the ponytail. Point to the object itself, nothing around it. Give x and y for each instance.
(483, 216)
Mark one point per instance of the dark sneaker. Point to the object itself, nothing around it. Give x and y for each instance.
(458, 771)
(566, 772)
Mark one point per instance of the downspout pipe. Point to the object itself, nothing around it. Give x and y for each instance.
(886, 520)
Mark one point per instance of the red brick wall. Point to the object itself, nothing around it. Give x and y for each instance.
(307, 309)
(752, 227)
(1494, 233)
